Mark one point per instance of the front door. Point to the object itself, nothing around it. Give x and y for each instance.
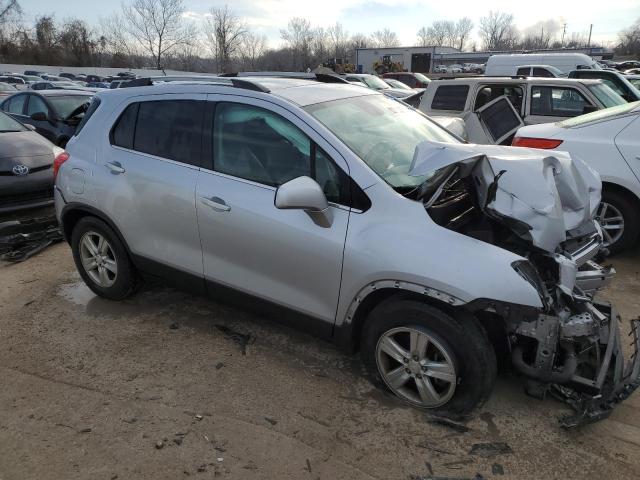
(248, 244)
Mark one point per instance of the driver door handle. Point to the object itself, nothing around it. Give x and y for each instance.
(115, 167)
(216, 203)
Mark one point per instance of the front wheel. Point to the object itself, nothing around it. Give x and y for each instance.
(428, 358)
(620, 221)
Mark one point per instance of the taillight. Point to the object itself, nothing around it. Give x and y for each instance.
(57, 162)
(545, 143)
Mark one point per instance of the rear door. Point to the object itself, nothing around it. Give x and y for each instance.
(248, 244)
(146, 176)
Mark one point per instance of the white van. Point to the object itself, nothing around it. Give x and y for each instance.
(501, 65)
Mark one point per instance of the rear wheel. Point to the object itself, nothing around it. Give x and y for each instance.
(620, 221)
(102, 259)
(428, 358)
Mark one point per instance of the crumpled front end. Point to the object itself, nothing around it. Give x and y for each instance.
(541, 207)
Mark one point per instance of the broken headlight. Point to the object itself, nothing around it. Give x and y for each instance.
(527, 271)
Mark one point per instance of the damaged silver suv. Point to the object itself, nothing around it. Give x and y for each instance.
(355, 217)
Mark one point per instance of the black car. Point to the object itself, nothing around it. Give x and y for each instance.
(26, 160)
(54, 113)
(618, 82)
(94, 79)
(70, 76)
(622, 66)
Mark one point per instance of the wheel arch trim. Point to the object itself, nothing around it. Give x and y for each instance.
(345, 333)
(77, 208)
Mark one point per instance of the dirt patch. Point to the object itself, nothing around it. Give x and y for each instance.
(103, 390)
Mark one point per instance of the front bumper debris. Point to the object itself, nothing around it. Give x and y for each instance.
(615, 382)
(578, 358)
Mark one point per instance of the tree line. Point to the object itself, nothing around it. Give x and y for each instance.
(156, 34)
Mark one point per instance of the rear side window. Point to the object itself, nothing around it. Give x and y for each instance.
(450, 97)
(523, 71)
(169, 129)
(542, 72)
(16, 105)
(122, 133)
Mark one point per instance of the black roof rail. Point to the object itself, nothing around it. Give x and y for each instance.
(330, 78)
(138, 82)
(249, 85)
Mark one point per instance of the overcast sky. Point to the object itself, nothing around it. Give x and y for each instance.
(404, 17)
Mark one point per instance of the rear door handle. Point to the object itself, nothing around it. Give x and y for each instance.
(115, 167)
(215, 203)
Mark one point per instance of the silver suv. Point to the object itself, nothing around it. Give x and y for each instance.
(359, 219)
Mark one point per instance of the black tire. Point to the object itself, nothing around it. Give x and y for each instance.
(631, 216)
(126, 281)
(466, 341)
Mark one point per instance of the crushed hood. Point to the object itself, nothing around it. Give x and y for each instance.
(548, 193)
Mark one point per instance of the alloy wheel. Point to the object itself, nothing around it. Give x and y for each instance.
(98, 259)
(416, 366)
(611, 221)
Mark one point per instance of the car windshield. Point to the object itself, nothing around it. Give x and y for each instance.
(382, 132)
(5, 87)
(422, 78)
(397, 84)
(65, 106)
(375, 83)
(599, 115)
(606, 95)
(8, 124)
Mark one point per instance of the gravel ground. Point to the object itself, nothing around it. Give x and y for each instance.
(159, 387)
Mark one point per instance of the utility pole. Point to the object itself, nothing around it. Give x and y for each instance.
(589, 41)
(564, 30)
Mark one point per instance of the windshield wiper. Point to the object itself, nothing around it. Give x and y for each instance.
(10, 131)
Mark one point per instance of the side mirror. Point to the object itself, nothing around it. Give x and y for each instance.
(589, 109)
(304, 193)
(39, 117)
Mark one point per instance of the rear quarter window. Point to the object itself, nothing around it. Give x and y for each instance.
(95, 103)
(450, 97)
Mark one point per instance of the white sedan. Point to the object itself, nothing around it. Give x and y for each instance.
(609, 141)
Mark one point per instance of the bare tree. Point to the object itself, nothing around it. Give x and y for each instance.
(339, 39)
(158, 26)
(629, 40)
(384, 38)
(116, 40)
(225, 32)
(319, 45)
(497, 31)
(440, 32)
(463, 29)
(253, 48)
(298, 36)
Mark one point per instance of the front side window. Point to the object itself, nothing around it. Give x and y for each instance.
(606, 95)
(450, 97)
(16, 105)
(557, 101)
(542, 72)
(259, 145)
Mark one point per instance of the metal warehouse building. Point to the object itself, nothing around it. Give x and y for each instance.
(414, 59)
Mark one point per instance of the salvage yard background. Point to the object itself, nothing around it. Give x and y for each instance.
(158, 387)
